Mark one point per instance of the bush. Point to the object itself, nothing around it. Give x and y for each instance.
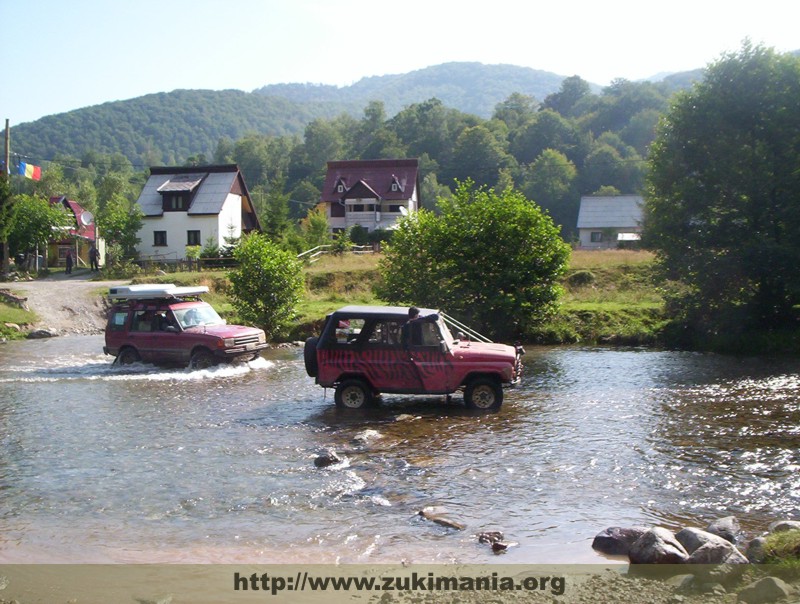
(267, 285)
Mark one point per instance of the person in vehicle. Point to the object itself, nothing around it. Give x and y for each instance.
(406, 337)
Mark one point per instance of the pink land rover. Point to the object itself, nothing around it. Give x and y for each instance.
(366, 350)
(168, 325)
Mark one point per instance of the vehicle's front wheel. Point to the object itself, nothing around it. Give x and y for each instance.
(128, 356)
(484, 394)
(201, 359)
(353, 394)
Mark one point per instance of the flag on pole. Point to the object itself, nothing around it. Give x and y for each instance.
(30, 171)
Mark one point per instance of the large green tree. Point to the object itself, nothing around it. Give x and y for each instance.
(33, 221)
(723, 206)
(490, 259)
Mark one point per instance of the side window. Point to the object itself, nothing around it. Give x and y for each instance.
(117, 322)
(347, 330)
(385, 334)
(424, 333)
(142, 320)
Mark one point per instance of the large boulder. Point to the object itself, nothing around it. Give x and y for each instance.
(617, 541)
(657, 546)
(728, 528)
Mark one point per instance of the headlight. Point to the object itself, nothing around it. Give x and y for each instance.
(229, 342)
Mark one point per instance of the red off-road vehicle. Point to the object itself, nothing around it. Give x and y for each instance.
(168, 325)
(365, 350)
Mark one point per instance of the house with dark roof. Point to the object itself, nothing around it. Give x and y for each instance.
(78, 237)
(371, 193)
(610, 220)
(193, 205)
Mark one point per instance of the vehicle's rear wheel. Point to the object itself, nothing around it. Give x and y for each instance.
(202, 359)
(484, 394)
(128, 356)
(353, 394)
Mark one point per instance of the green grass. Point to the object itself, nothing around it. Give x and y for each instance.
(14, 314)
(782, 549)
(610, 296)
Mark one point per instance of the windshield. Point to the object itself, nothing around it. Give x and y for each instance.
(446, 335)
(198, 315)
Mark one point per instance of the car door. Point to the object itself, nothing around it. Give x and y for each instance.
(389, 367)
(431, 357)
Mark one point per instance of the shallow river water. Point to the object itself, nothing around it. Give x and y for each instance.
(139, 464)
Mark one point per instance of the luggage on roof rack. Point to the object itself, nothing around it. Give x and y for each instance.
(151, 291)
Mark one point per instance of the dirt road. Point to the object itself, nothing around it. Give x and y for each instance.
(66, 304)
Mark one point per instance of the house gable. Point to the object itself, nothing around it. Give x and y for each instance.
(392, 183)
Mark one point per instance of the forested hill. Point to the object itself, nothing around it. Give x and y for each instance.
(167, 128)
(469, 87)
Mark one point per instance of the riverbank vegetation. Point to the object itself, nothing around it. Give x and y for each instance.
(609, 296)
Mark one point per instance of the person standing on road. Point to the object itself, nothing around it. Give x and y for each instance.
(93, 254)
(68, 261)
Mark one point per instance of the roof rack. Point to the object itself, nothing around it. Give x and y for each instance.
(153, 291)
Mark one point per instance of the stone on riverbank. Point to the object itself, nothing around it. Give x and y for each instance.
(768, 589)
(728, 528)
(657, 546)
(784, 525)
(617, 541)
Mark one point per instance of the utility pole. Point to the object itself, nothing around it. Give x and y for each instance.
(5, 211)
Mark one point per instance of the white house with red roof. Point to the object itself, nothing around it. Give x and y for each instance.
(372, 193)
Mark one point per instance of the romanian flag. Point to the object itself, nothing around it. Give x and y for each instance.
(30, 171)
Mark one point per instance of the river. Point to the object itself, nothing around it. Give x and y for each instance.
(140, 464)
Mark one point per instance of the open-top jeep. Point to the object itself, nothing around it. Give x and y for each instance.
(366, 350)
(168, 325)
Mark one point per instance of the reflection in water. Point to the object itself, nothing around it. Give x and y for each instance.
(103, 463)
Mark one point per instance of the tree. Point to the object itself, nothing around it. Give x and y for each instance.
(33, 221)
(119, 222)
(478, 155)
(722, 205)
(491, 259)
(551, 182)
(267, 285)
(572, 90)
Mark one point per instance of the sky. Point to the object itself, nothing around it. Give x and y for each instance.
(64, 55)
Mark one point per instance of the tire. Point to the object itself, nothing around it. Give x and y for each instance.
(202, 359)
(310, 357)
(484, 394)
(128, 356)
(353, 394)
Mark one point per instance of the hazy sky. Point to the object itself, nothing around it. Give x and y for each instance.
(62, 55)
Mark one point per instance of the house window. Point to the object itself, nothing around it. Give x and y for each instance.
(159, 238)
(395, 209)
(359, 207)
(192, 237)
(394, 187)
(596, 236)
(337, 210)
(340, 189)
(175, 203)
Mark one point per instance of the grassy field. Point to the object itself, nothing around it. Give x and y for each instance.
(610, 296)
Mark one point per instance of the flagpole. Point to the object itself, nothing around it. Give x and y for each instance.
(6, 262)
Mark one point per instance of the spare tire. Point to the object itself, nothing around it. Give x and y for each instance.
(310, 356)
